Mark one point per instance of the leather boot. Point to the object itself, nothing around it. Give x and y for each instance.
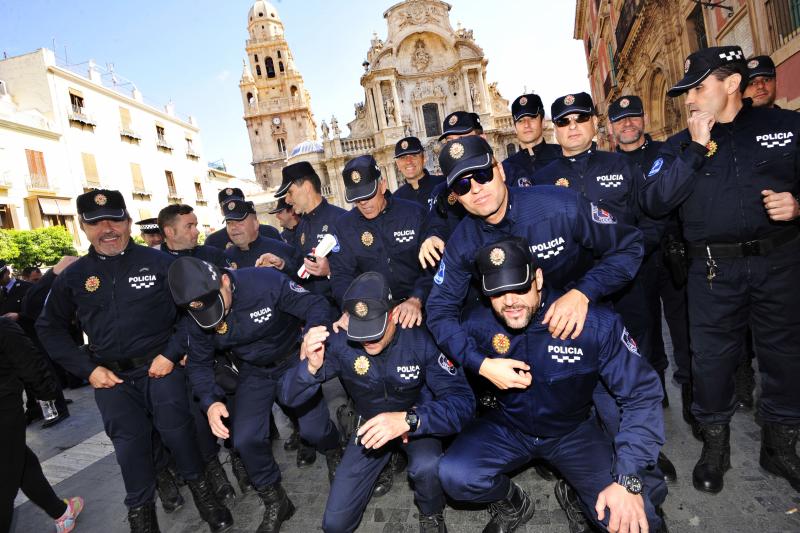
(715, 459)
(168, 491)
(568, 500)
(306, 454)
(240, 473)
(215, 514)
(399, 462)
(667, 468)
(292, 443)
(333, 457)
(432, 523)
(745, 384)
(278, 508)
(688, 417)
(385, 481)
(220, 484)
(510, 512)
(143, 519)
(778, 454)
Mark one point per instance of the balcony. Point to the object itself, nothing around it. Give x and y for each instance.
(162, 144)
(191, 154)
(79, 115)
(504, 123)
(358, 146)
(91, 183)
(140, 191)
(38, 182)
(327, 191)
(5, 180)
(129, 134)
(172, 193)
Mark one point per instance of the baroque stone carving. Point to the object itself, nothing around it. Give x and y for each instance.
(421, 58)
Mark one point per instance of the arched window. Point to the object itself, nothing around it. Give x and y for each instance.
(279, 54)
(511, 149)
(270, 68)
(281, 146)
(433, 126)
(250, 98)
(280, 66)
(255, 56)
(258, 70)
(293, 91)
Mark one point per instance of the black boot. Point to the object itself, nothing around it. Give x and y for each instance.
(745, 384)
(333, 457)
(237, 466)
(293, 442)
(33, 414)
(778, 454)
(569, 502)
(278, 508)
(688, 417)
(306, 454)
(168, 491)
(220, 484)
(667, 468)
(63, 414)
(216, 515)
(715, 458)
(143, 519)
(432, 523)
(511, 512)
(665, 399)
(385, 480)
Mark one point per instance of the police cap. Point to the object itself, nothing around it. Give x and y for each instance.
(101, 204)
(293, 172)
(237, 209)
(702, 63)
(149, 226)
(527, 105)
(459, 123)
(571, 103)
(505, 266)
(465, 154)
(368, 301)
(625, 106)
(230, 193)
(195, 285)
(361, 177)
(407, 145)
(280, 205)
(760, 66)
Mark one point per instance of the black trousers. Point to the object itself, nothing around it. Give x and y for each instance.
(20, 468)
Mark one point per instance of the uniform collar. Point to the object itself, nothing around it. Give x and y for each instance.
(389, 203)
(592, 149)
(317, 210)
(94, 253)
(642, 148)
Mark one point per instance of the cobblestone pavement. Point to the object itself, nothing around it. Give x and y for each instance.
(752, 500)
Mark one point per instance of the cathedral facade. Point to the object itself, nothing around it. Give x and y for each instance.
(412, 80)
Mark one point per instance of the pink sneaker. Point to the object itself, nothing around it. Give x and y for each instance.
(66, 522)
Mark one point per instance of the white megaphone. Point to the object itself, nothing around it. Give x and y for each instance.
(324, 247)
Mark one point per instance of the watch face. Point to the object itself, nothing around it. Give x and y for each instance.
(632, 484)
(276, 120)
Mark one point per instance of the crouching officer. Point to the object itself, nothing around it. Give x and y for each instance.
(545, 411)
(255, 313)
(733, 172)
(534, 153)
(119, 294)
(404, 388)
(220, 238)
(251, 248)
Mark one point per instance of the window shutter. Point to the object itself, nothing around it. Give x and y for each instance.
(90, 169)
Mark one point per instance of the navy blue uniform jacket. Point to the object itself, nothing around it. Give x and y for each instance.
(444, 215)
(520, 167)
(312, 228)
(566, 233)
(410, 372)
(423, 194)
(220, 239)
(210, 254)
(262, 245)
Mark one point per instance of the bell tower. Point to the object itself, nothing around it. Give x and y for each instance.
(277, 107)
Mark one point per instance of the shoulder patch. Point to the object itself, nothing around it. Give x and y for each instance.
(439, 277)
(447, 364)
(629, 342)
(656, 168)
(296, 288)
(601, 216)
(336, 246)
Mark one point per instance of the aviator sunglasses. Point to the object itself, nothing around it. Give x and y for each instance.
(463, 184)
(563, 122)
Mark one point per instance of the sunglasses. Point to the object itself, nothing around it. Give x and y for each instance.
(464, 184)
(563, 122)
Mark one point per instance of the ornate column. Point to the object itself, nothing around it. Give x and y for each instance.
(397, 116)
(467, 95)
(379, 104)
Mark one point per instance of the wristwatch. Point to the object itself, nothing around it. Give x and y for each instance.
(632, 483)
(412, 420)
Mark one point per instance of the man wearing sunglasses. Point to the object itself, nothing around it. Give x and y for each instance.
(534, 153)
(581, 246)
(734, 174)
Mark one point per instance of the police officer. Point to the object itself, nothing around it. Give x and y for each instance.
(303, 191)
(385, 369)
(148, 230)
(249, 247)
(288, 220)
(381, 234)
(761, 82)
(118, 292)
(626, 122)
(545, 411)
(580, 246)
(220, 238)
(409, 156)
(734, 175)
(255, 313)
(528, 114)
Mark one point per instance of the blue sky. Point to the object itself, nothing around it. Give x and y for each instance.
(191, 52)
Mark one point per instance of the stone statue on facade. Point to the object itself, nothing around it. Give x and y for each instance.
(335, 127)
(325, 130)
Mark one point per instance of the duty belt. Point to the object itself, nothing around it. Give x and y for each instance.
(744, 249)
(123, 365)
(276, 363)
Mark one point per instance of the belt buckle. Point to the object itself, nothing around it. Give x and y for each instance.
(751, 248)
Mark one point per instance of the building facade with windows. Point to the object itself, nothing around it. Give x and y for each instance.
(66, 129)
(639, 47)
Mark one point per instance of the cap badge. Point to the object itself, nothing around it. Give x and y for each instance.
(711, 146)
(355, 176)
(753, 63)
(456, 150)
(624, 103)
(196, 305)
(325, 228)
(451, 198)
(497, 256)
(501, 343)
(100, 199)
(92, 284)
(361, 309)
(569, 99)
(231, 206)
(453, 120)
(686, 65)
(361, 365)
(222, 328)
(367, 239)
(523, 100)
(302, 239)
(562, 182)
(228, 191)
(404, 145)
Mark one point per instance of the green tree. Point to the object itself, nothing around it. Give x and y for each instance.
(41, 246)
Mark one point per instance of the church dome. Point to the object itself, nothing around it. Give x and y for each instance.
(262, 10)
(306, 147)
